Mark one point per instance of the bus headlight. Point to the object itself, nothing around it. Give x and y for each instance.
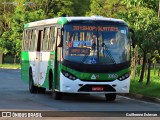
(69, 75)
(123, 77)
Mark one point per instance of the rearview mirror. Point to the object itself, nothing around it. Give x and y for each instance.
(59, 38)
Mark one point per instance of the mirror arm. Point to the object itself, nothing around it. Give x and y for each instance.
(60, 38)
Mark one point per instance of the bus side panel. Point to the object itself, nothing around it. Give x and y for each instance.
(49, 67)
(44, 66)
(25, 64)
(34, 64)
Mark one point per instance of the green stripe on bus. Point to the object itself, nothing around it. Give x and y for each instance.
(25, 66)
(99, 76)
(26, 25)
(62, 21)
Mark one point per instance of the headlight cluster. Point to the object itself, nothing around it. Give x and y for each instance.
(123, 77)
(69, 75)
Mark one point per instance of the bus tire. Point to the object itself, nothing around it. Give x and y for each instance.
(41, 90)
(32, 88)
(110, 97)
(57, 95)
(50, 79)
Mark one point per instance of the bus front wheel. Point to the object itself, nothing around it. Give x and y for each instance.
(110, 97)
(57, 95)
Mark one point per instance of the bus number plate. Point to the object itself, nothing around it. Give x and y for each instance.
(97, 88)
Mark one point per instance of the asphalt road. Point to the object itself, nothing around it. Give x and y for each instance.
(14, 95)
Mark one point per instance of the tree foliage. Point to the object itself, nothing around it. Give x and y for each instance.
(140, 15)
(16, 13)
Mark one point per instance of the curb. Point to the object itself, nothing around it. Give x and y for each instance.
(141, 97)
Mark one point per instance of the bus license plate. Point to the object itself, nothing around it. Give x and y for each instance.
(97, 88)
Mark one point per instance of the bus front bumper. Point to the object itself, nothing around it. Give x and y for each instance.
(78, 86)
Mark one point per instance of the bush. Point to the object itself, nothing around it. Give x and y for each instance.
(10, 60)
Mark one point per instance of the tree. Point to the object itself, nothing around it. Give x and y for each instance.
(142, 17)
(159, 10)
(23, 15)
(107, 8)
(6, 11)
(57, 8)
(11, 38)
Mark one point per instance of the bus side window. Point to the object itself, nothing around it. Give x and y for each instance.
(24, 40)
(30, 39)
(27, 39)
(33, 40)
(42, 40)
(51, 37)
(47, 39)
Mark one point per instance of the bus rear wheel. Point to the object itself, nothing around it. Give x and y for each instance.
(32, 88)
(41, 90)
(110, 97)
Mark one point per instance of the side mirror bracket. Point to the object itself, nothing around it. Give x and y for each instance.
(59, 37)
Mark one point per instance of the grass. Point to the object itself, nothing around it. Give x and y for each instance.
(152, 89)
(10, 66)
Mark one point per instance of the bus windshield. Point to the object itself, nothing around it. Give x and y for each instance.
(96, 44)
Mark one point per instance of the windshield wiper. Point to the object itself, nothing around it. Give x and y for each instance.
(108, 52)
(86, 56)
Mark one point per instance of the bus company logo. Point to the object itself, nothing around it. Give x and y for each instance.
(94, 77)
(112, 76)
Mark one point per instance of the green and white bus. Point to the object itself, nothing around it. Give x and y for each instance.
(77, 55)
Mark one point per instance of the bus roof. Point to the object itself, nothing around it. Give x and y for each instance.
(64, 20)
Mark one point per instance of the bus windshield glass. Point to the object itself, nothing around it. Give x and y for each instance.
(96, 44)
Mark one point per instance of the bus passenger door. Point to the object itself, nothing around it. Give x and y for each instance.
(57, 61)
(37, 61)
(44, 57)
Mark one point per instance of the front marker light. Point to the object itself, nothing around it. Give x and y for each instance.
(123, 77)
(127, 75)
(69, 75)
(66, 74)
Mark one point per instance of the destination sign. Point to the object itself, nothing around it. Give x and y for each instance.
(76, 50)
(99, 28)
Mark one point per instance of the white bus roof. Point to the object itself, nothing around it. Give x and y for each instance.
(64, 20)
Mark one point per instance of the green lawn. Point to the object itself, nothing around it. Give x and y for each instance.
(10, 66)
(153, 89)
